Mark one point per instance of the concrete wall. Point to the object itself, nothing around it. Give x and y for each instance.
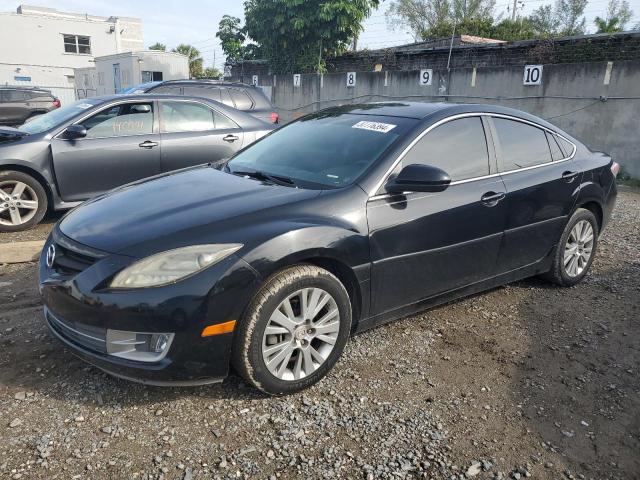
(32, 46)
(570, 97)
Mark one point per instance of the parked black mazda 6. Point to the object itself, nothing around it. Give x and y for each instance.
(336, 223)
(89, 147)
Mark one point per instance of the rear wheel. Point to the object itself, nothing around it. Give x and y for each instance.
(576, 250)
(294, 330)
(23, 201)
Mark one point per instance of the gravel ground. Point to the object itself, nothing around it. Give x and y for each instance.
(527, 380)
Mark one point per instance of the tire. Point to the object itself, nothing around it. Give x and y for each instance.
(31, 193)
(565, 271)
(252, 345)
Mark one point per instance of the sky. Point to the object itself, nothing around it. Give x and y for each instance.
(195, 21)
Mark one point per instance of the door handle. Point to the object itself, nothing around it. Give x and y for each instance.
(569, 176)
(492, 198)
(231, 138)
(148, 144)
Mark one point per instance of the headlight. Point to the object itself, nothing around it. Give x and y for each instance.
(169, 267)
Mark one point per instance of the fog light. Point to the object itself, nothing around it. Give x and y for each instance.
(138, 346)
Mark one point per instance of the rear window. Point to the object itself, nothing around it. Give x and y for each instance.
(241, 99)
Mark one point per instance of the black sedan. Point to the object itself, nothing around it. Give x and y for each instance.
(336, 223)
(82, 150)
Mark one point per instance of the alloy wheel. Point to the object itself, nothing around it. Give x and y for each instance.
(18, 203)
(301, 334)
(579, 248)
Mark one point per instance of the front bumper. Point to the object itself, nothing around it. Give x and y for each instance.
(79, 310)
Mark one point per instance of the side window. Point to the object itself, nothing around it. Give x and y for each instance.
(225, 97)
(241, 99)
(121, 121)
(523, 145)
(223, 122)
(556, 153)
(168, 89)
(201, 91)
(458, 147)
(15, 96)
(186, 117)
(566, 146)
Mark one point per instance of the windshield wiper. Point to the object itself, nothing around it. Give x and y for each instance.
(257, 174)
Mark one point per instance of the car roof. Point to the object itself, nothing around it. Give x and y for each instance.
(30, 89)
(218, 83)
(422, 110)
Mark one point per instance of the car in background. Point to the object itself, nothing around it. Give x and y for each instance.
(335, 223)
(140, 88)
(248, 98)
(94, 145)
(20, 104)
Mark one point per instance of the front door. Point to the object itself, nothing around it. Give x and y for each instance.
(542, 186)
(425, 244)
(193, 133)
(122, 145)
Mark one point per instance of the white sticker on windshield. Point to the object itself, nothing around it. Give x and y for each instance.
(375, 126)
(84, 106)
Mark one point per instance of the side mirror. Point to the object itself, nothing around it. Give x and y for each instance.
(419, 178)
(74, 132)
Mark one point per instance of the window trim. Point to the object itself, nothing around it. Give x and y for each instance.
(494, 139)
(155, 127)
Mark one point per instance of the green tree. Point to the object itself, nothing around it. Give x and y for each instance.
(544, 21)
(158, 46)
(570, 17)
(618, 15)
(300, 34)
(231, 37)
(195, 60)
(211, 72)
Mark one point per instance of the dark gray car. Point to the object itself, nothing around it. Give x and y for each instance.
(82, 150)
(19, 104)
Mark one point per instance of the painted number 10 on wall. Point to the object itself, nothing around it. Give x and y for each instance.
(532, 75)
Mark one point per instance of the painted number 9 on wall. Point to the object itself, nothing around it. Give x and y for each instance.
(532, 75)
(351, 79)
(426, 77)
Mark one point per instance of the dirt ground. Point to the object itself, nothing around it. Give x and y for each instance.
(527, 380)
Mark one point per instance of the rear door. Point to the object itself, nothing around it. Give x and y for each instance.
(425, 244)
(122, 145)
(193, 133)
(542, 186)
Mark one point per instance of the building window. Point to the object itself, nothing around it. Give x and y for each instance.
(77, 44)
(100, 78)
(151, 76)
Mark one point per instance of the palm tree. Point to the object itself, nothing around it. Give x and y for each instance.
(195, 60)
(610, 25)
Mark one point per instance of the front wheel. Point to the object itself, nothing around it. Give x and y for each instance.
(293, 331)
(23, 201)
(576, 249)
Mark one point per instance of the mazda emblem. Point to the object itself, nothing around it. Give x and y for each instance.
(51, 255)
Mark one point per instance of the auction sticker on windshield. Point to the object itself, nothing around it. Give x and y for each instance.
(375, 126)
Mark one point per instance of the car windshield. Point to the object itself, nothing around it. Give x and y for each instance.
(56, 117)
(327, 150)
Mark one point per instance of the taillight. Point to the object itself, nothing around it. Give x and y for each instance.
(56, 103)
(615, 168)
(275, 118)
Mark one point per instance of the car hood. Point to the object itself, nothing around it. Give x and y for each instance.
(174, 210)
(10, 134)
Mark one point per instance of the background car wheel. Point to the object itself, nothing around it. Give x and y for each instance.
(293, 331)
(576, 250)
(23, 201)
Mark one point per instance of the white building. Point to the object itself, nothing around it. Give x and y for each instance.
(42, 46)
(112, 73)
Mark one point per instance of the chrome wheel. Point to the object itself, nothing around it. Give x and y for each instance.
(18, 203)
(579, 248)
(300, 334)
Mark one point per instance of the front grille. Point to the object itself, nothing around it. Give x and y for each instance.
(72, 258)
(87, 336)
